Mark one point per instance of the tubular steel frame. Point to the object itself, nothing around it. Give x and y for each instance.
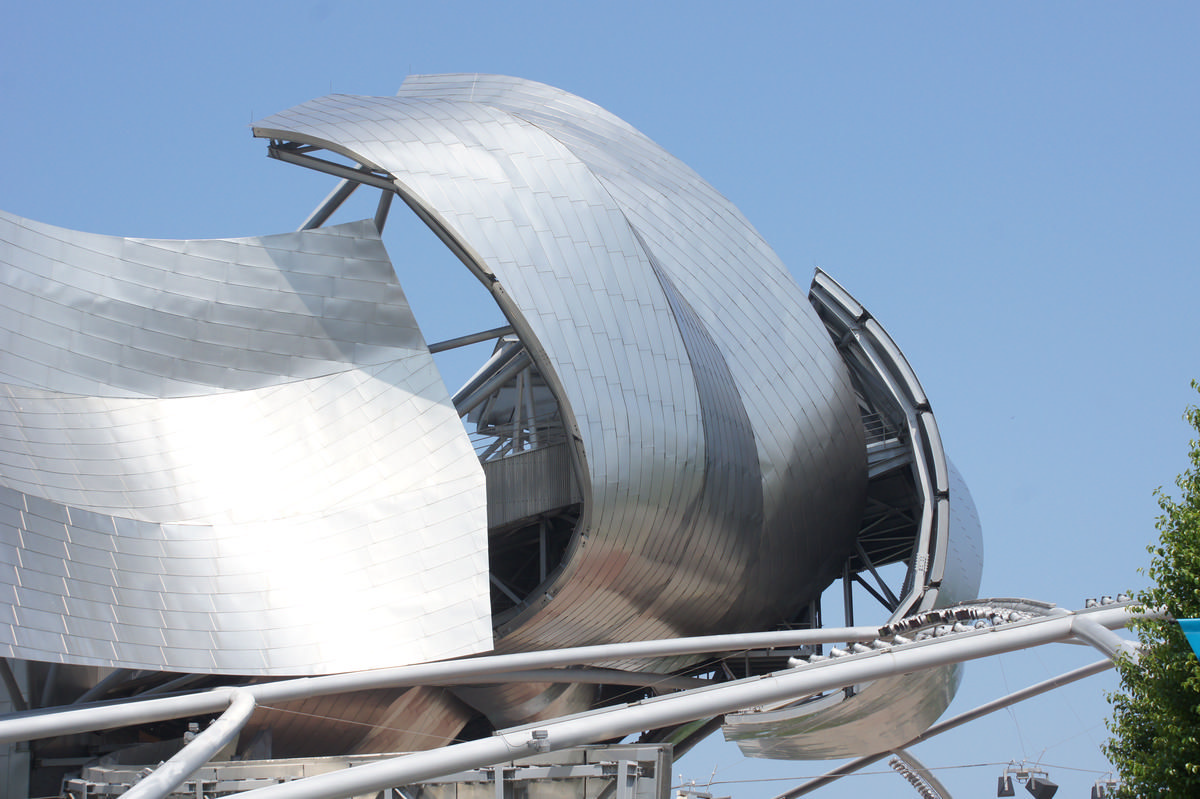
(882, 659)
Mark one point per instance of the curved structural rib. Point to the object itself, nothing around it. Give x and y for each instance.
(945, 554)
(229, 456)
(714, 427)
(942, 551)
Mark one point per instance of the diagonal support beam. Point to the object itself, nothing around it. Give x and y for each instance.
(892, 602)
(363, 175)
(341, 192)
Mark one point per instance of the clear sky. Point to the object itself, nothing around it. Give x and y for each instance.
(1012, 189)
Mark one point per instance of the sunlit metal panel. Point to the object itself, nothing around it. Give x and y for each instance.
(228, 456)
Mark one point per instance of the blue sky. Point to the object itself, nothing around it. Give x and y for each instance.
(1012, 189)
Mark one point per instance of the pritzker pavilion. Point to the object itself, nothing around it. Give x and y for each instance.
(234, 485)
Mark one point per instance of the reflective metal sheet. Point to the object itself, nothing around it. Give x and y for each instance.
(964, 547)
(886, 714)
(715, 420)
(229, 456)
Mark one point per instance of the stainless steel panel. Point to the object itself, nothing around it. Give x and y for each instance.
(229, 456)
(963, 556)
(715, 421)
(885, 714)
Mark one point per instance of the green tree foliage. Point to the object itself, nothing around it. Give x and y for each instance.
(1155, 744)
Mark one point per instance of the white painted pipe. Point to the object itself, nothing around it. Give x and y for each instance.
(50, 722)
(1104, 639)
(690, 705)
(173, 773)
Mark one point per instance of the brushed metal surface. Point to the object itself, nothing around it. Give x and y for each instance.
(885, 714)
(715, 423)
(964, 547)
(228, 456)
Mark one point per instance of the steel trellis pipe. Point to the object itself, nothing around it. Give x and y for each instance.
(171, 774)
(46, 723)
(689, 705)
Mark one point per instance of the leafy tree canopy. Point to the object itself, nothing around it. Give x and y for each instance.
(1155, 744)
